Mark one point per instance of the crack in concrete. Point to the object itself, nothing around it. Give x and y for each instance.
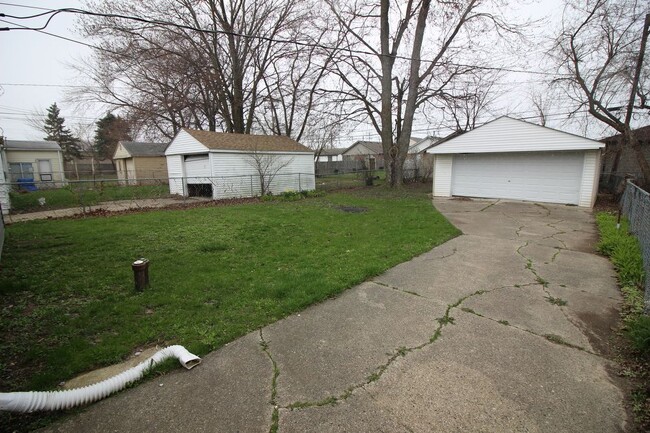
(275, 416)
(548, 211)
(441, 257)
(549, 337)
(490, 205)
(379, 283)
(544, 285)
(402, 351)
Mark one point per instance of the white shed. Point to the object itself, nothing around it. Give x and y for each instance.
(224, 165)
(512, 159)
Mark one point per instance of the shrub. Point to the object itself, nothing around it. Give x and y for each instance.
(638, 331)
(622, 248)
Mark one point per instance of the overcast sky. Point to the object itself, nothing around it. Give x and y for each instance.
(37, 73)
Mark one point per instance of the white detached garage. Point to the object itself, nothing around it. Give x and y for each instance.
(223, 165)
(512, 159)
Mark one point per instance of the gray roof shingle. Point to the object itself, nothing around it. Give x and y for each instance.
(139, 148)
(31, 145)
(250, 142)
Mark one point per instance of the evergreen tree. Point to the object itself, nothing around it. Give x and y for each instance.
(56, 131)
(110, 129)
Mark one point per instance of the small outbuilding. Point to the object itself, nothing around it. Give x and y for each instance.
(138, 162)
(227, 165)
(513, 159)
(35, 163)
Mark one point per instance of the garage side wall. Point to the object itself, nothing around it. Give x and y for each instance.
(590, 175)
(442, 175)
(236, 176)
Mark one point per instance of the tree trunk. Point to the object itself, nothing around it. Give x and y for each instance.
(631, 140)
(386, 95)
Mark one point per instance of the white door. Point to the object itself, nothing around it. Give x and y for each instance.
(197, 169)
(552, 177)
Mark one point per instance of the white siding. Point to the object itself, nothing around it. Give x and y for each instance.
(590, 177)
(4, 191)
(184, 144)
(234, 176)
(509, 135)
(442, 175)
(175, 172)
(121, 152)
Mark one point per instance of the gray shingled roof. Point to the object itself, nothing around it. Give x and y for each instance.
(31, 145)
(332, 152)
(138, 148)
(374, 146)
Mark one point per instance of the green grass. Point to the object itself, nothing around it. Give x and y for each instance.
(66, 286)
(83, 194)
(624, 251)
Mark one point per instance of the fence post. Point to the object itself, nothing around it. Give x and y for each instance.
(299, 183)
(251, 185)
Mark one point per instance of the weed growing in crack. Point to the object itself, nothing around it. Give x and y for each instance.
(561, 341)
(556, 301)
(542, 281)
(446, 320)
(504, 322)
(435, 335)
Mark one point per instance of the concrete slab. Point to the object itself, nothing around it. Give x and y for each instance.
(468, 267)
(528, 308)
(230, 391)
(324, 350)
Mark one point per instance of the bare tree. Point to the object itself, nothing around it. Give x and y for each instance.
(465, 100)
(211, 64)
(390, 84)
(600, 51)
(267, 165)
(541, 105)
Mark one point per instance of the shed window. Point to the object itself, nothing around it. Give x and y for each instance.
(21, 170)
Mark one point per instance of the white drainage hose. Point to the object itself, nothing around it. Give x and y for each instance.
(55, 400)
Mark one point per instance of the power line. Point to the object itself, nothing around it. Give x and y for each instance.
(163, 23)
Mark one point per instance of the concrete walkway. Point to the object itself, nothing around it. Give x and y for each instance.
(469, 337)
(109, 206)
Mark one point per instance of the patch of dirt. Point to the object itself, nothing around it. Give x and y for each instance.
(606, 203)
(352, 209)
(137, 210)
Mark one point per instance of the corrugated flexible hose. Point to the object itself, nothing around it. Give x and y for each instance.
(56, 400)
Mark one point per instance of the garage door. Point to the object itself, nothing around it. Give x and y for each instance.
(197, 169)
(552, 177)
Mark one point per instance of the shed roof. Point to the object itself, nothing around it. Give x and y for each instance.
(374, 146)
(32, 145)
(506, 134)
(333, 151)
(642, 134)
(139, 148)
(246, 142)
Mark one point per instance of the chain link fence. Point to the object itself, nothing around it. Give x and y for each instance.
(635, 205)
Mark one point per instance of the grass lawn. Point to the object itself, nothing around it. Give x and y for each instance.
(66, 287)
(83, 194)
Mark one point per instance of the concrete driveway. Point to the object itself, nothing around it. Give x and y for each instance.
(504, 328)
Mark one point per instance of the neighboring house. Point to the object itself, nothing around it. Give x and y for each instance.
(136, 162)
(422, 144)
(223, 165)
(40, 161)
(621, 161)
(369, 153)
(331, 155)
(512, 159)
